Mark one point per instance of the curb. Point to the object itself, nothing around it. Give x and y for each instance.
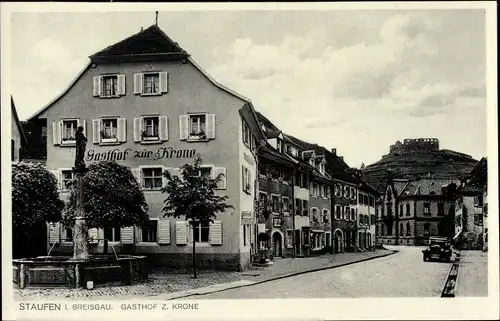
(451, 280)
(288, 275)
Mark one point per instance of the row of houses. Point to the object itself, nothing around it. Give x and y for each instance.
(411, 211)
(145, 103)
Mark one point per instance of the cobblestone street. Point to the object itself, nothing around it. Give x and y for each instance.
(400, 275)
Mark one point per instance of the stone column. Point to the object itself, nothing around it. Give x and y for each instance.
(80, 248)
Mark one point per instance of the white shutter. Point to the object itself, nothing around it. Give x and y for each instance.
(122, 130)
(56, 132)
(164, 231)
(183, 127)
(181, 232)
(138, 123)
(138, 83)
(57, 174)
(211, 126)
(96, 131)
(127, 235)
(163, 128)
(93, 235)
(121, 85)
(216, 233)
(163, 82)
(137, 174)
(54, 233)
(223, 182)
(97, 86)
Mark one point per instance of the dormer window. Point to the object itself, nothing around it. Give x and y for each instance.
(279, 145)
(311, 161)
(322, 168)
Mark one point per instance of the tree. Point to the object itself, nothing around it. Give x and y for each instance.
(112, 198)
(193, 196)
(35, 201)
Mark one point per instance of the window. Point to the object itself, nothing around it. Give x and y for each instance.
(353, 214)
(244, 234)
(347, 213)
(305, 206)
(427, 208)
(151, 83)
(408, 229)
(149, 232)
(326, 216)
(338, 190)
(286, 204)
(298, 206)
(427, 228)
(67, 178)
(206, 172)
(12, 149)
(478, 201)
(346, 191)
(246, 182)
(400, 209)
(109, 129)
(151, 125)
(152, 178)
(440, 209)
(110, 86)
(289, 238)
(400, 228)
(246, 133)
(197, 126)
(276, 203)
(314, 214)
(112, 234)
(338, 212)
(69, 130)
(353, 193)
(200, 232)
(407, 209)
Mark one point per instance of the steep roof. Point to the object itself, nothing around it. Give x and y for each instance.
(426, 186)
(16, 120)
(266, 122)
(149, 42)
(478, 177)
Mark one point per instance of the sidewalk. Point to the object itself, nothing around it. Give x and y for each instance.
(472, 274)
(178, 284)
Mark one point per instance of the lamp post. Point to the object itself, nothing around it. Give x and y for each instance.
(80, 249)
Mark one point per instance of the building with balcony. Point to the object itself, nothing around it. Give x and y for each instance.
(145, 103)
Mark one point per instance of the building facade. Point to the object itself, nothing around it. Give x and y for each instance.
(152, 110)
(365, 210)
(417, 210)
(471, 227)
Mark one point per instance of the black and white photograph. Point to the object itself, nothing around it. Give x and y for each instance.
(166, 157)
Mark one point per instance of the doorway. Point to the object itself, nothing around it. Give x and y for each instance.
(277, 239)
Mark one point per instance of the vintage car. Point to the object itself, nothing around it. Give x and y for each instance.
(439, 249)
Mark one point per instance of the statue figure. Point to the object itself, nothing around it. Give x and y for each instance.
(81, 142)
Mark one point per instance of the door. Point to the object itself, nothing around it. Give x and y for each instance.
(277, 244)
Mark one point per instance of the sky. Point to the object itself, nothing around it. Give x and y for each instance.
(356, 80)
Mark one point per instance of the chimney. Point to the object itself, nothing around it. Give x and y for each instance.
(334, 151)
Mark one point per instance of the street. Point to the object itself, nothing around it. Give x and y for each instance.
(401, 275)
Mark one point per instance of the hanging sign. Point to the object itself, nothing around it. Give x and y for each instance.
(128, 153)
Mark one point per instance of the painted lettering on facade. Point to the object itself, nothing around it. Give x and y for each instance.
(120, 154)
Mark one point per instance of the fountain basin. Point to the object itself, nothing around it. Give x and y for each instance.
(64, 271)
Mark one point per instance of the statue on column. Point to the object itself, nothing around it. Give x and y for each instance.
(81, 142)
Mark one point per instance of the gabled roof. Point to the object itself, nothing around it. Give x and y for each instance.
(150, 42)
(426, 186)
(16, 120)
(478, 178)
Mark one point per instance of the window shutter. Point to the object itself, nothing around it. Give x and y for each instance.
(138, 123)
(223, 182)
(137, 174)
(163, 82)
(163, 231)
(57, 174)
(138, 78)
(96, 131)
(56, 132)
(183, 127)
(216, 233)
(163, 128)
(93, 235)
(121, 85)
(54, 233)
(211, 126)
(181, 232)
(122, 130)
(127, 235)
(97, 86)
